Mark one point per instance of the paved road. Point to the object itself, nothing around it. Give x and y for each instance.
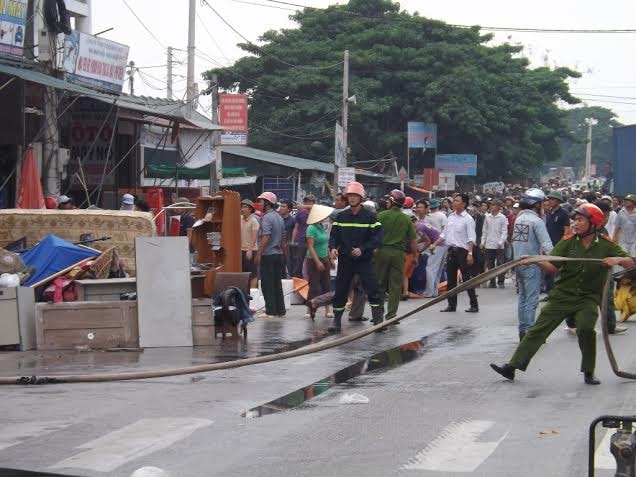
(443, 413)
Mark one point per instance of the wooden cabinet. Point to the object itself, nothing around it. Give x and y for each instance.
(217, 240)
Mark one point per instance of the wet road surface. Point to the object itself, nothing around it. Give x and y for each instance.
(443, 412)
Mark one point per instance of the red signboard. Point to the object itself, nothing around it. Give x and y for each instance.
(431, 178)
(233, 112)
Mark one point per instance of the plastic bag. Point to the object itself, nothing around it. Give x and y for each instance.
(10, 262)
(354, 398)
(8, 280)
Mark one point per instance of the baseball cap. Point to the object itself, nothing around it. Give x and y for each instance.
(128, 199)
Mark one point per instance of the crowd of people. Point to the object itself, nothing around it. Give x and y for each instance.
(399, 248)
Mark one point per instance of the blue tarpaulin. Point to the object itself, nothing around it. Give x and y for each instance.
(52, 255)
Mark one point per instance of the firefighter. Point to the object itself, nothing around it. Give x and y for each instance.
(355, 234)
(578, 291)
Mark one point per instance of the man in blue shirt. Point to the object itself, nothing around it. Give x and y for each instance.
(557, 221)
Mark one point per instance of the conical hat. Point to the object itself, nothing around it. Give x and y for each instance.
(319, 213)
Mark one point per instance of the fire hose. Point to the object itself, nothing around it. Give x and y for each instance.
(315, 348)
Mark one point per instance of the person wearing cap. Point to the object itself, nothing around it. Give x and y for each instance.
(127, 202)
(436, 218)
(249, 238)
(557, 222)
(318, 263)
(270, 255)
(64, 202)
(493, 240)
(612, 215)
(299, 239)
(577, 292)
(398, 230)
(625, 234)
(479, 260)
(355, 235)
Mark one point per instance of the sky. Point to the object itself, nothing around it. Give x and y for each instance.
(605, 60)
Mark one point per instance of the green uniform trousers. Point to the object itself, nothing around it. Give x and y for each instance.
(585, 313)
(611, 310)
(389, 265)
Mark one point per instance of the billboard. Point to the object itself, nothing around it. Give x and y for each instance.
(459, 164)
(94, 60)
(13, 14)
(422, 135)
(233, 118)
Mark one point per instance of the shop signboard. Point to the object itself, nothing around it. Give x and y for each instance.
(459, 164)
(13, 15)
(346, 175)
(95, 61)
(233, 119)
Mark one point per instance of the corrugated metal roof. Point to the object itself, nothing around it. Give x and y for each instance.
(162, 108)
(279, 159)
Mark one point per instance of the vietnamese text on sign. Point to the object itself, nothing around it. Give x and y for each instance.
(459, 164)
(13, 14)
(233, 112)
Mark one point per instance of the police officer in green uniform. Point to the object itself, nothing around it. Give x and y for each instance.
(577, 292)
(389, 259)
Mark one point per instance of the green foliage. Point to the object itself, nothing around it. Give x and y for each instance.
(574, 144)
(485, 99)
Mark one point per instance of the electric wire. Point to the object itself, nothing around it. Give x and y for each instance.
(144, 25)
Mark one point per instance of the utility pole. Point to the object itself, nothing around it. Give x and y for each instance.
(131, 77)
(170, 95)
(345, 122)
(588, 151)
(190, 94)
(216, 168)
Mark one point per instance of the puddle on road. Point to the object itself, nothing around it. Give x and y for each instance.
(379, 362)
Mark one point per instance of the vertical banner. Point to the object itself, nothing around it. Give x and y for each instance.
(431, 178)
(422, 135)
(13, 15)
(233, 118)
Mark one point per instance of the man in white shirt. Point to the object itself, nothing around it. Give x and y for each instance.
(459, 237)
(436, 218)
(493, 239)
(611, 221)
(625, 233)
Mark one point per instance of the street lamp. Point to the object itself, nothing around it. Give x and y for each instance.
(588, 152)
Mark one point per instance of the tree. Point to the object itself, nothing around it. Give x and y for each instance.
(485, 99)
(573, 145)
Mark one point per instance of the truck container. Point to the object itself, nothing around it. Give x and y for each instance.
(624, 163)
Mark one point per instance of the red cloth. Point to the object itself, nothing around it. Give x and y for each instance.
(30, 194)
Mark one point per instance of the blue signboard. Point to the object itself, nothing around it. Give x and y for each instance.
(460, 164)
(422, 135)
(13, 14)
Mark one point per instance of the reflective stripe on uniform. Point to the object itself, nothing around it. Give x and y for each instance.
(361, 226)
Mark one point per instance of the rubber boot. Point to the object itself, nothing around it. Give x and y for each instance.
(377, 313)
(336, 324)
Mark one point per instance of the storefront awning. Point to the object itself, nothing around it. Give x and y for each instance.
(161, 108)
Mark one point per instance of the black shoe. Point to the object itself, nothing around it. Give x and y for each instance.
(501, 285)
(360, 318)
(591, 379)
(492, 285)
(506, 370)
(472, 309)
(448, 309)
(336, 326)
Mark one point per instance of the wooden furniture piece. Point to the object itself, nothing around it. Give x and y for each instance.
(109, 289)
(202, 324)
(91, 325)
(221, 215)
(17, 317)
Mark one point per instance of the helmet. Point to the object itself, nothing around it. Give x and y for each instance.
(269, 197)
(591, 212)
(355, 188)
(408, 202)
(631, 197)
(397, 197)
(533, 196)
(555, 194)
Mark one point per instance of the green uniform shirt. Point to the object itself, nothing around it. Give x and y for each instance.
(398, 228)
(580, 279)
